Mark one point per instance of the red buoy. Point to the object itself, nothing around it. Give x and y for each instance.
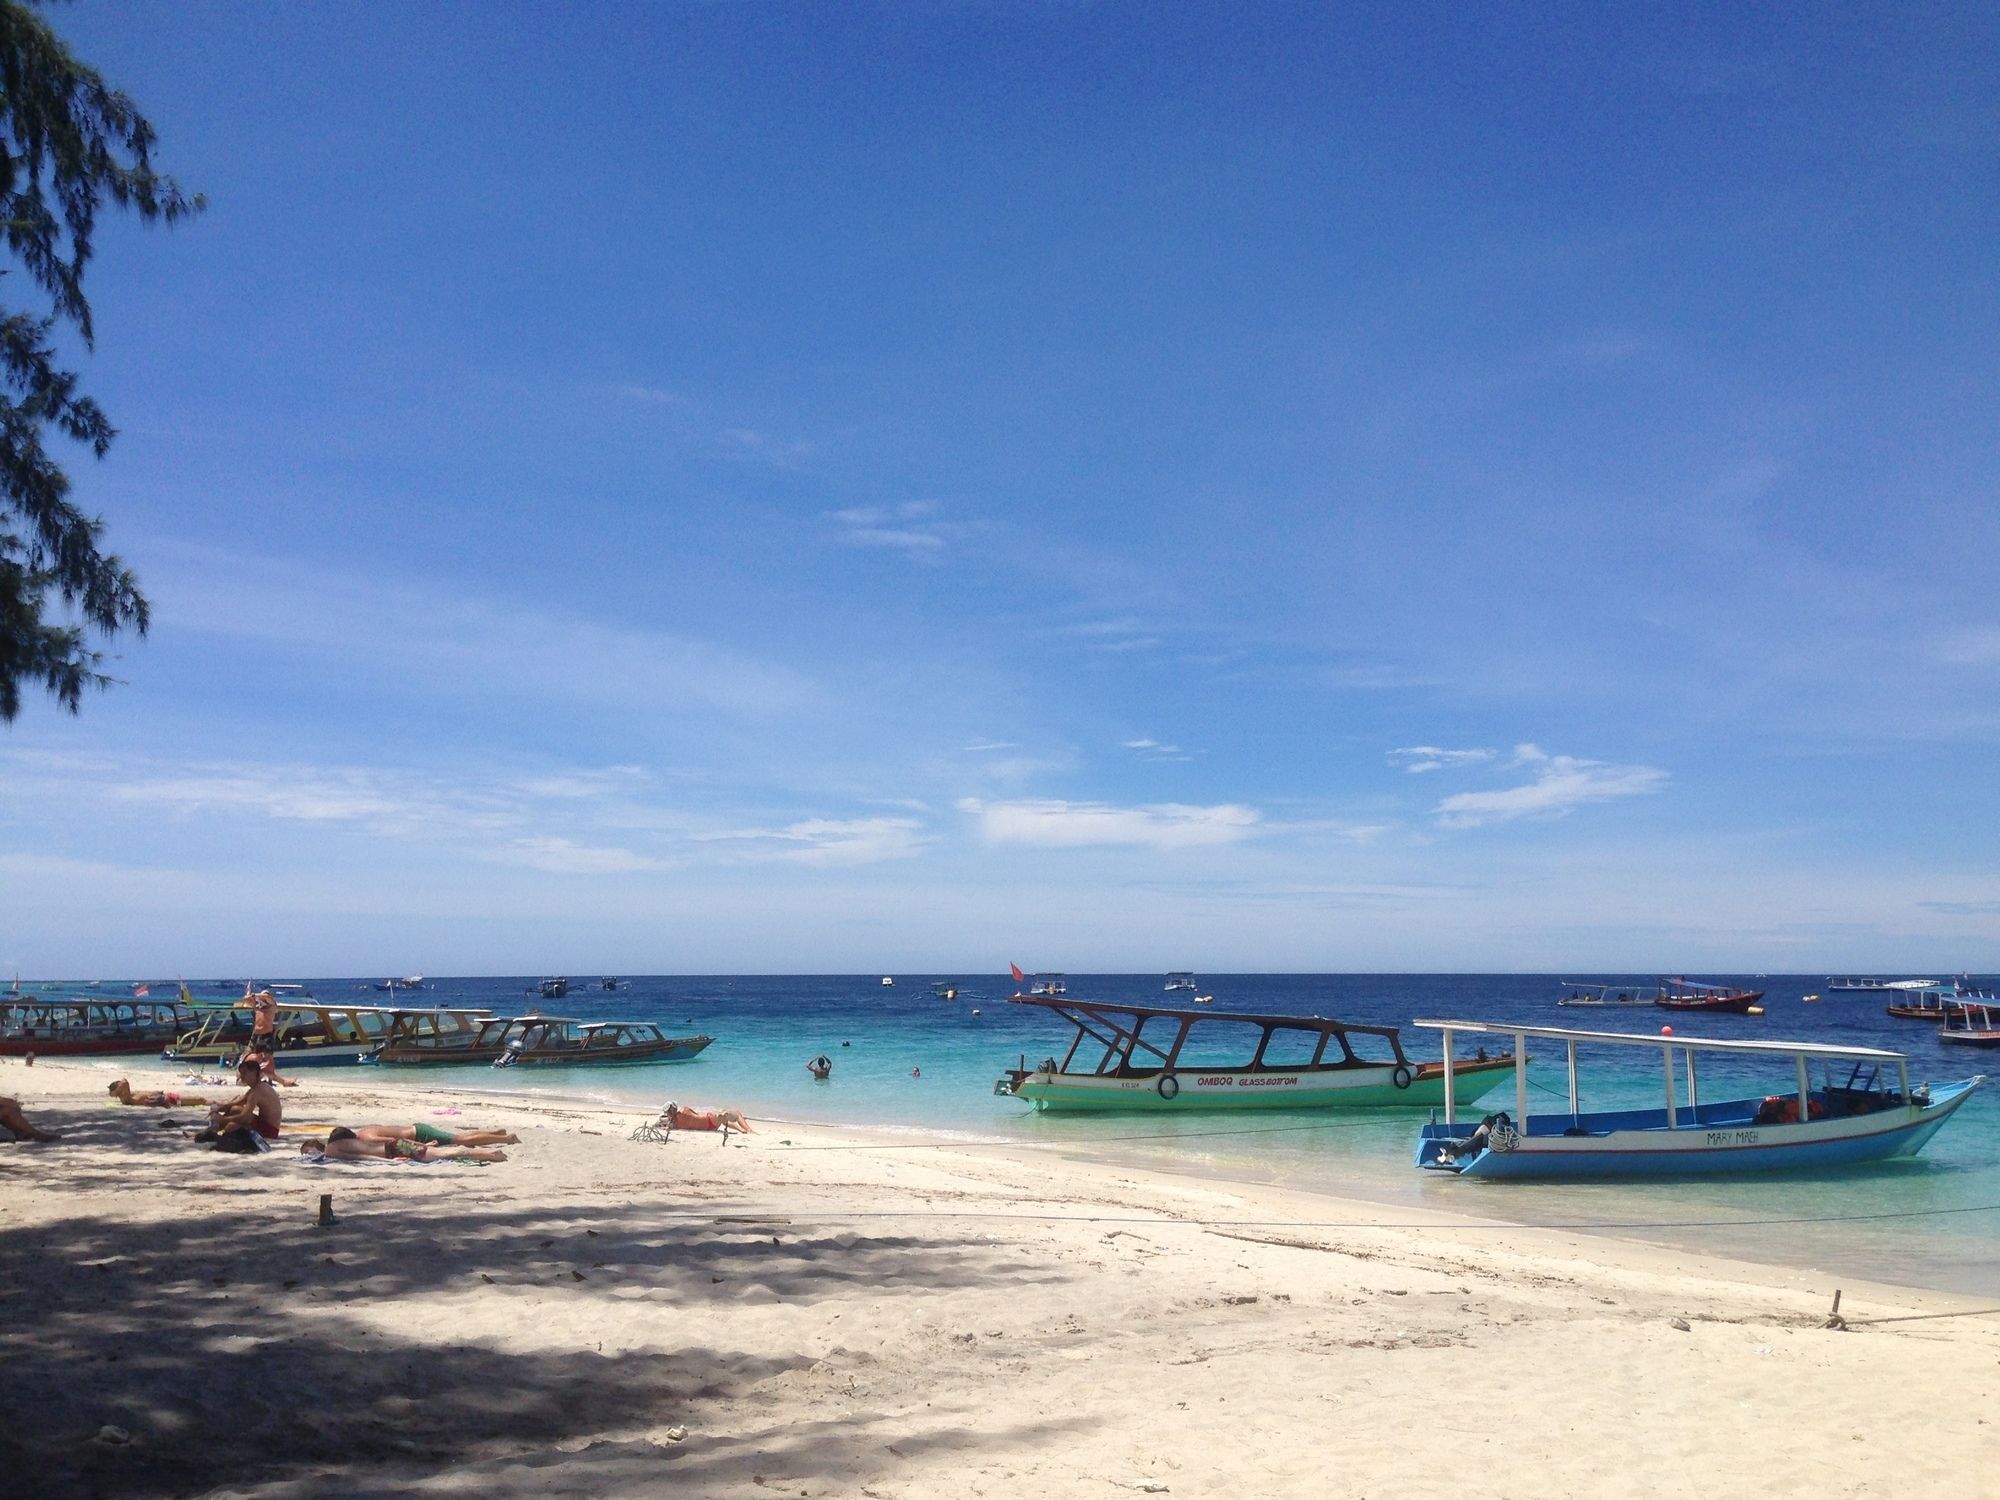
(1666, 1031)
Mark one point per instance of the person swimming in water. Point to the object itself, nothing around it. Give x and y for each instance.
(820, 1067)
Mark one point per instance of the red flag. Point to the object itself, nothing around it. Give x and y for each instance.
(1018, 975)
(142, 989)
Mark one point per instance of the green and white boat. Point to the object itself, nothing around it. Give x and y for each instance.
(1133, 1057)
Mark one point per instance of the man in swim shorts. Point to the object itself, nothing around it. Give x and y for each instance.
(258, 1109)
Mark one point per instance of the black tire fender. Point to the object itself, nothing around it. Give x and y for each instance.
(1402, 1077)
(1168, 1087)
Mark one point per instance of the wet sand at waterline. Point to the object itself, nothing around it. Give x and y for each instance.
(808, 1311)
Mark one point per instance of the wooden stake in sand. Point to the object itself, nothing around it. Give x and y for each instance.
(1834, 1319)
(326, 1219)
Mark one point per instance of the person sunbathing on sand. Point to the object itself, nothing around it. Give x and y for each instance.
(677, 1117)
(343, 1144)
(435, 1135)
(22, 1129)
(123, 1092)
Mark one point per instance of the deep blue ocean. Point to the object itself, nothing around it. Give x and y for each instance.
(766, 1028)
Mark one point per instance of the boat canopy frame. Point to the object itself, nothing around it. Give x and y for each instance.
(1800, 1052)
(57, 1015)
(1101, 1022)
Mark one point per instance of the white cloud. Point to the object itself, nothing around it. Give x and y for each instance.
(912, 528)
(1561, 783)
(1153, 749)
(779, 453)
(560, 856)
(1971, 648)
(1419, 758)
(828, 841)
(1052, 824)
(987, 747)
(467, 646)
(1112, 637)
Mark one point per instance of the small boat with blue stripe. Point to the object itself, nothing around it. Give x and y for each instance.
(1862, 1108)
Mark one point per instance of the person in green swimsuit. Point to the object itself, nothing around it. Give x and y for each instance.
(435, 1135)
(343, 1144)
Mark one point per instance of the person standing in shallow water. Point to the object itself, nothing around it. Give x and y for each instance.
(820, 1067)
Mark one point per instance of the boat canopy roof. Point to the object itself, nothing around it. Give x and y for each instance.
(315, 1007)
(1098, 1009)
(1676, 1041)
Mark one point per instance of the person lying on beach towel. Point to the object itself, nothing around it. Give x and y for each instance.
(678, 1117)
(19, 1127)
(124, 1093)
(434, 1135)
(343, 1144)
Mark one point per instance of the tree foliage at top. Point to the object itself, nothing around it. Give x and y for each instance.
(68, 144)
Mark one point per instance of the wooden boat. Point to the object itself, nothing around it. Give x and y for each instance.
(434, 1038)
(440, 1036)
(554, 989)
(1857, 1117)
(88, 1027)
(1972, 1025)
(1921, 1000)
(1575, 993)
(305, 1035)
(1180, 979)
(1839, 984)
(1710, 999)
(945, 989)
(1288, 1064)
(546, 1039)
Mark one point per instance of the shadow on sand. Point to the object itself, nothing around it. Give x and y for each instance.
(242, 1350)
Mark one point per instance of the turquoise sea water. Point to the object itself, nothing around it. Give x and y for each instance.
(767, 1027)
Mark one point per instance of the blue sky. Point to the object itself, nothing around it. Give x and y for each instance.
(778, 488)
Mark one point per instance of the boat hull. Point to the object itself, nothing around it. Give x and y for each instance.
(326, 1055)
(1713, 1005)
(1724, 1140)
(681, 1049)
(52, 1044)
(1194, 1090)
(407, 1056)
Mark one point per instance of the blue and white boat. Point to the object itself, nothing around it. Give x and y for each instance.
(1861, 1109)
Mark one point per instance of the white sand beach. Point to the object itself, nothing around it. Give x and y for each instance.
(809, 1312)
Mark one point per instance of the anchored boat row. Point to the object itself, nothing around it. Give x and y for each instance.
(328, 1035)
(1862, 1107)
